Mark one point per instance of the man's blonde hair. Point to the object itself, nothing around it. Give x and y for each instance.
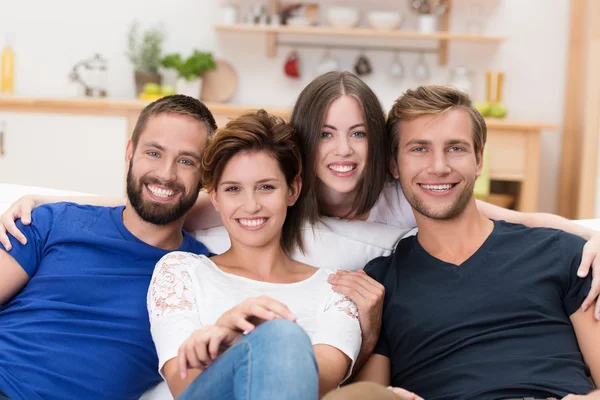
(432, 100)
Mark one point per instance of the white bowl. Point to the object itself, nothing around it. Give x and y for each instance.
(384, 20)
(342, 17)
(298, 21)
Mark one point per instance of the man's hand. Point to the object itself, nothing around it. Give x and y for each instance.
(595, 395)
(203, 347)
(591, 258)
(405, 394)
(368, 294)
(19, 209)
(252, 312)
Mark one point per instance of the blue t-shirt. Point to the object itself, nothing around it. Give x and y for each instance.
(495, 327)
(79, 329)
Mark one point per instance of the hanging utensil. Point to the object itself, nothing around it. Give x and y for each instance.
(397, 68)
(362, 66)
(421, 70)
(292, 65)
(328, 63)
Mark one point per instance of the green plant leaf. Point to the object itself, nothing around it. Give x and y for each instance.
(145, 52)
(171, 61)
(195, 65)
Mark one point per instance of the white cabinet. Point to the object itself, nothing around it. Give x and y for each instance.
(71, 152)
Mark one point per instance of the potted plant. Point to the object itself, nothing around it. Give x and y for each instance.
(189, 71)
(144, 52)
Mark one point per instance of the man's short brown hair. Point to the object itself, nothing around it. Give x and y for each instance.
(433, 100)
(176, 104)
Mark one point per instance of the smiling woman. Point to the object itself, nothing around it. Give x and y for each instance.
(199, 307)
(246, 163)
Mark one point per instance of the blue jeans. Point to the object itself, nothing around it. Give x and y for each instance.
(275, 361)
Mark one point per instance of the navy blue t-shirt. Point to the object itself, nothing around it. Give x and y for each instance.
(497, 326)
(79, 329)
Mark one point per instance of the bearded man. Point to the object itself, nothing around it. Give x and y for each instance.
(73, 316)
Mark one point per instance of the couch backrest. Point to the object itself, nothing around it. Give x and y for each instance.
(332, 243)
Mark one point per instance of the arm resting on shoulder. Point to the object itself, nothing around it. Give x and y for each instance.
(201, 216)
(13, 276)
(587, 330)
(174, 381)
(23, 207)
(376, 369)
(591, 250)
(333, 366)
(535, 220)
(85, 200)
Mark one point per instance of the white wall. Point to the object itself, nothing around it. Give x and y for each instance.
(51, 36)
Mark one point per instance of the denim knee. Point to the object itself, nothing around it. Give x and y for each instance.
(285, 333)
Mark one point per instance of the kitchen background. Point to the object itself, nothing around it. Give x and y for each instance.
(50, 37)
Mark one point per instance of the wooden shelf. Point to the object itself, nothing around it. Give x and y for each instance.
(362, 32)
(112, 106)
(443, 36)
(511, 125)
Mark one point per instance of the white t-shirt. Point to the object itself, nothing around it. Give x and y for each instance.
(189, 291)
(392, 208)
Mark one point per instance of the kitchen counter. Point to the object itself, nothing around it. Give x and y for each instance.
(513, 146)
(108, 106)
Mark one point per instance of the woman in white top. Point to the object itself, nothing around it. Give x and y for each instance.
(200, 307)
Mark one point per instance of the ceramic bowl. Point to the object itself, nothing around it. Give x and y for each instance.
(342, 17)
(384, 20)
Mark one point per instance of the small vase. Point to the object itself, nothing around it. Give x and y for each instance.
(189, 88)
(142, 78)
(427, 23)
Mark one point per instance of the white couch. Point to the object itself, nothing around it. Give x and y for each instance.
(350, 244)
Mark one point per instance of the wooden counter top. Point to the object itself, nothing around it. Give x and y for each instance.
(126, 107)
(109, 106)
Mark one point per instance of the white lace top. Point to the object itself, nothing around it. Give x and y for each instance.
(189, 291)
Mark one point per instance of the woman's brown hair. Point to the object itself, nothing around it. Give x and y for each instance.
(308, 117)
(258, 132)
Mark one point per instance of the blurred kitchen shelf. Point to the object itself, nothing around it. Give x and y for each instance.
(364, 32)
(273, 32)
(501, 200)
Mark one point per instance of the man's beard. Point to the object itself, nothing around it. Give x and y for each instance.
(154, 212)
(453, 211)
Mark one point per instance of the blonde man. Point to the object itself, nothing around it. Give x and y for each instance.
(474, 308)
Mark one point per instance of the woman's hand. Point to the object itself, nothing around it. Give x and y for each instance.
(22, 209)
(204, 346)
(252, 312)
(591, 258)
(404, 394)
